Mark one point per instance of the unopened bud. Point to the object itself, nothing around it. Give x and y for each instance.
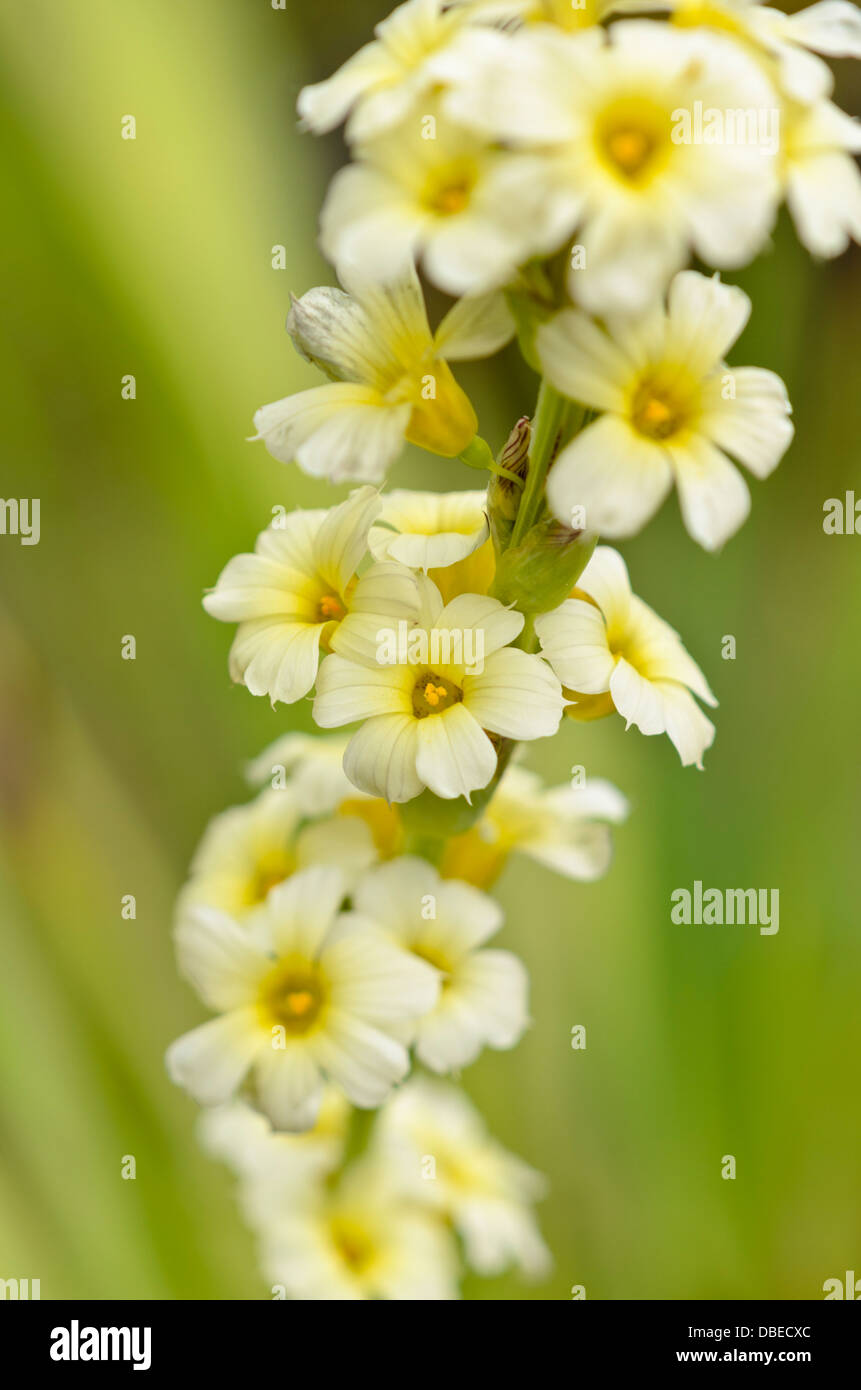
(539, 573)
(503, 494)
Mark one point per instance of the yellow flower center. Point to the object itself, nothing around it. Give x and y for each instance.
(435, 957)
(432, 694)
(633, 140)
(354, 1245)
(270, 870)
(329, 607)
(663, 404)
(448, 190)
(695, 15)
(293, 996)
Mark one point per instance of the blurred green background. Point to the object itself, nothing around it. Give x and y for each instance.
(153, 257)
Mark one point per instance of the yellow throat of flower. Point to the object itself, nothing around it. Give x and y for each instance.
(293, 997)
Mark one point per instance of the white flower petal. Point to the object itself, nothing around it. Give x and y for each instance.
(454, 756)
(276, 658)
(574, 640)
(300, 911)
(347, 692)
(342, 540)
(705, 317)
(690, 731)
(612, 475)
(713, 495)
(289, 1086)
(637, 700)
(362, 1060)
(381, 758)
(211, 1061)
(517, 695)
(474, 327)
(481, 614)
(216, 955)
(754, 425)
(605, 579)
(375, 980)
(582, 362)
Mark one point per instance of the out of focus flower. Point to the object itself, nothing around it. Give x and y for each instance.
(783, 40)
(269, 1161)
(434, 190)
(670, 407)
(380, 83)
(448, 1162)
(610, 112)
(247, 850)
(303, 996)
(612, 652)
(565, 828)
(301, 582)
(390, 378)
(823, 185)
(430, 703)
(483, 998)
(359, 1240)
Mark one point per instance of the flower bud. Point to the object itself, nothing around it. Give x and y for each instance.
(503, 495)
(539, 573)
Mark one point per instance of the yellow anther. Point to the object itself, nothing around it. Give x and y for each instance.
(300, 1001)
(330, 606)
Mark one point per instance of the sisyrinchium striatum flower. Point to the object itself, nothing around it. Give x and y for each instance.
(565, 178)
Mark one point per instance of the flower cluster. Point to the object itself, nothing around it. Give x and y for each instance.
(554, 168)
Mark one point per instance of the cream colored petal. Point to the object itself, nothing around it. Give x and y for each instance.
(660, 654)
(824, 196)
(713, 495)
(753, 425)
(517, 695)
(276, 658)
(342, 540)
(611, 476)
(475, 327)
(218, 958)
(582, 362)
(324, 105)
(373, 979)
(454, 756)
(347, 692)
(704, 319)
(359, 1058)
(251, 586)
(574, 640)
(289, 1087)
(605, 579)
(211, 1061)
(392, 894)
(300, 911)
(388, 590)
(381, 758)
(690, 731)
(466, 918)
(479, 613)
(341, 431)
(636, 699)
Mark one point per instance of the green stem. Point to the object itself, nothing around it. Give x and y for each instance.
(478, 454)
(551, 413)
